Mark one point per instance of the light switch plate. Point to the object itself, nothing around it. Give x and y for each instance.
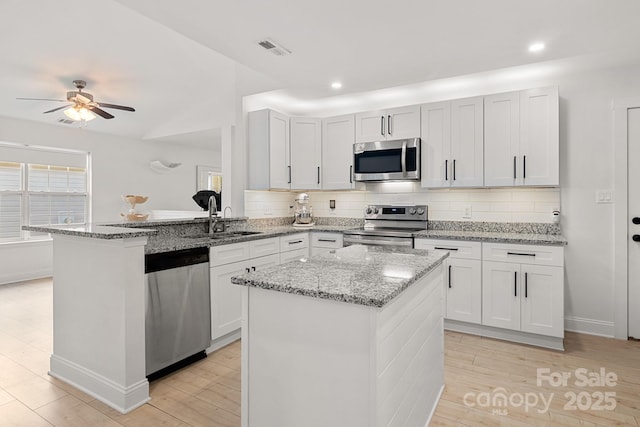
(332, 204)
(466, 212)
(604, 196)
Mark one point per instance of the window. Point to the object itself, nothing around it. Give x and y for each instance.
(41, 194)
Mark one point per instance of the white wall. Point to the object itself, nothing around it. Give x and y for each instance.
(119, 166)
(586, 165)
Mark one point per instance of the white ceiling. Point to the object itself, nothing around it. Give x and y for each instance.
(179, 63)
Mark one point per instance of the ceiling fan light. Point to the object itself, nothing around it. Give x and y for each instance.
(79, 114)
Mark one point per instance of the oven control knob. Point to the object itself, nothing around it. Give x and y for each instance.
(376, 210)
(420, 211)
(412, 211)
(369, 210)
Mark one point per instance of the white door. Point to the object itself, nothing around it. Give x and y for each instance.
(542, 300)
(501, 139)
(633, 141)
(464, 290)
(338, 137)
(539, 136)
(436, 144)
(501, 294)
(226, 298)
(467, 142)
(306, 153)
(279, 172)
(371, 126)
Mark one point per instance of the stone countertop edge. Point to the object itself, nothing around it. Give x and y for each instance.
(94, 231)
(373, 290)
(494, 237)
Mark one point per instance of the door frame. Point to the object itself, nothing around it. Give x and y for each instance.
(621, 212)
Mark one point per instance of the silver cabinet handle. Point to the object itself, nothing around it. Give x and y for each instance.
(295, 241)
(351, 174)
(524, 166)
(289, 182)
(318, 174)
(248, 270)
(446, 170)
(389, 124)
(449, 277)
(514, 167)
(526, 285)
(382, 125)
(253, 268)
(445, 249)
(515, 283)
(454, 169)
(327, 240)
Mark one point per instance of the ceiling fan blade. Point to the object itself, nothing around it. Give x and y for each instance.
(100, 112)
(118, 107)
(56, 109)
(42, 99)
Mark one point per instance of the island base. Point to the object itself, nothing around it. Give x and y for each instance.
(317, 362)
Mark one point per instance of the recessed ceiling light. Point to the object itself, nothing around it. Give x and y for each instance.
(336, 85)
(536, 47)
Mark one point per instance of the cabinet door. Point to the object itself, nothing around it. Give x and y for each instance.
(464, 290)
(539, 136)
(403, 122)
(306, 153)
(436, 144)
(542, 300)
(294, 255)
(226, 298)
(294, 241)
(502, 139)
(279, 173)
(467, 147)
(371, 126)
(338, 137)
(501, 294)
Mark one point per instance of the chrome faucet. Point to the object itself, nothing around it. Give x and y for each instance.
(224, 217)
(213, 215)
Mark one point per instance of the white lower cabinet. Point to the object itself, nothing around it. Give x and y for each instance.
(293, 247)
(325, 242)
(226, 298)
(462, 278)
(521, 294)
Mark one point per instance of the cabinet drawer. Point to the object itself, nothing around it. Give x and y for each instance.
(225, 254)
(326, 240)
(294, 255)
(457, 248)
(294, 241)
(523, 254)
(264, 247)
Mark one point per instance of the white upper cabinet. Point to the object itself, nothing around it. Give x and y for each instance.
(338, 137)
(436, 144)
(522, 138)
(393, 123)
(268, 145)
(306, 153)
(452, 143)
(540, 136)
(501, 139)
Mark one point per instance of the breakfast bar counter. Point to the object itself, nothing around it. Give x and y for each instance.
(353, 337)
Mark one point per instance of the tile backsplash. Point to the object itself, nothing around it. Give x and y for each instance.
(482, 204)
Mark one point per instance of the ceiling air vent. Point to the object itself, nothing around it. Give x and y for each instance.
(66, 121)
(274, 47)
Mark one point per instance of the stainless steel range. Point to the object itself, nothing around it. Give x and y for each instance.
(389, 226)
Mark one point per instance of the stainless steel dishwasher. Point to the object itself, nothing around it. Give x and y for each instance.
(178, 309)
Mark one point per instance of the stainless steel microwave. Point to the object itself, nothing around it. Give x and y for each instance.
(387, 160)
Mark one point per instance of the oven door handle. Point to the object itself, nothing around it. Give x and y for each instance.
(403, 160)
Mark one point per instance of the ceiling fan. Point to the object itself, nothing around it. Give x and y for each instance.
(81, 105)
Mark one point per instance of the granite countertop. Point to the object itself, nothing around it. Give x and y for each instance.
(364, 275)
(494, 237)
(96, 231)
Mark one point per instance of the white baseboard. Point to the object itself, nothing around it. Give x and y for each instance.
(589, 326)
(122, 399)
(23, 277)
(223, 341)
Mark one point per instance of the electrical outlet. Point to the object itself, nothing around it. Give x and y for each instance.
(332, 204)
(466, 212)
(267, 210)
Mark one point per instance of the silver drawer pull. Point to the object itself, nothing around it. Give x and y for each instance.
(520, 254)
(327, 240)
(295, 241)
(445, 249)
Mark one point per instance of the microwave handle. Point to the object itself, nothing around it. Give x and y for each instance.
(403, 160)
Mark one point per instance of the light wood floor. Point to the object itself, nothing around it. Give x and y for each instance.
(208, 393)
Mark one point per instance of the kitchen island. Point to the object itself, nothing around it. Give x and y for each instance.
(349, 338)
